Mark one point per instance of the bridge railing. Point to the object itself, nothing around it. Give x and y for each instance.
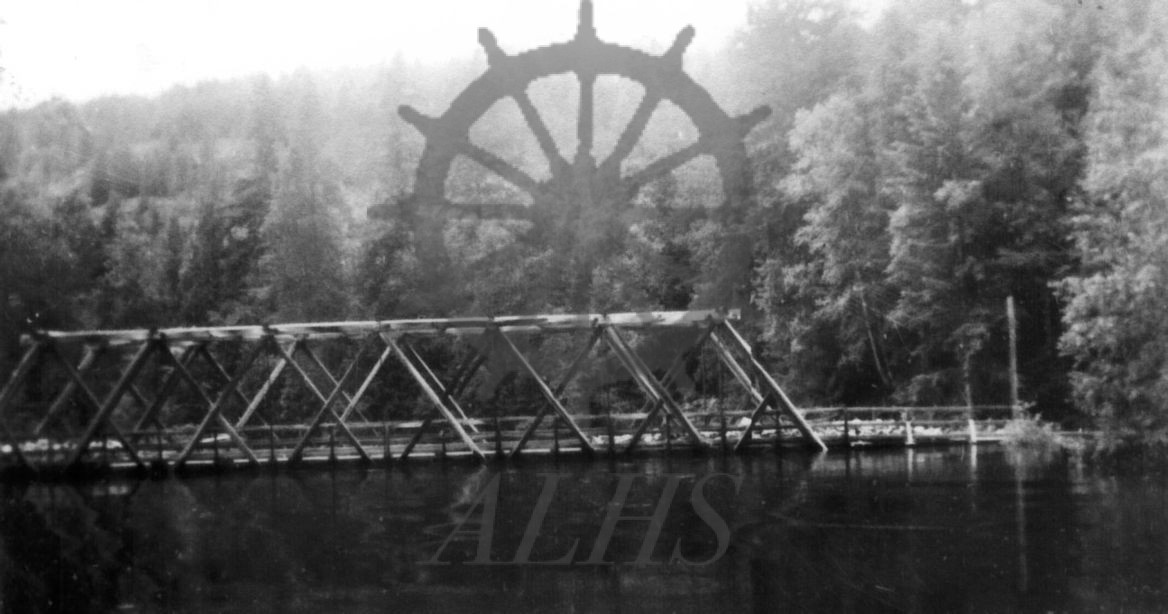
(296, 392)
(911, 424)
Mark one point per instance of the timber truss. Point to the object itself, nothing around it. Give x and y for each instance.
(386, 390)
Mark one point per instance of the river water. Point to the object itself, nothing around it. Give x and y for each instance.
(932, 530)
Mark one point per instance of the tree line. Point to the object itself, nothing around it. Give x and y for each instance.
(916, 171)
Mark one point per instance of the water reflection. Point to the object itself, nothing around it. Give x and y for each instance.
(918, 530)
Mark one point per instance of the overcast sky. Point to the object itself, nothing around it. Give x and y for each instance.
(80, 49)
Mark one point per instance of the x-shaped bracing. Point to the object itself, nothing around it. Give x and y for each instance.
(218, 391)
(725, 338)
(445, 398)
(657, 392)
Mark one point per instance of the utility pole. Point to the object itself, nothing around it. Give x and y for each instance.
(1012, 322)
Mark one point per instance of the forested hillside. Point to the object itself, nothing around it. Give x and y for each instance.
(914, 173)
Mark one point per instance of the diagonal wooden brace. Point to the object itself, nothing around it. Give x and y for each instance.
(381, 360)
(326, 405)
(405, 455)
(755, 420)
(569, 373)
(785, 404)
(434, 397)
(679, 362)
(644, 426)
(62, 399)
(550, 395)
(332, 379)
(653, 407)
(224, 376)
(465, 374)
(649, 383)
(215, 411)
(8, 393)
(164, 392)
(724, 354)
(101, 417)
(449, 398)
(273, 377)
(90, 399)
(762, 401)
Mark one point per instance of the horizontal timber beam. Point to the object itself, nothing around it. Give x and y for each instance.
(550, 323)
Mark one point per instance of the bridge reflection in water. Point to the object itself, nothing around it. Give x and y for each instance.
(898, 530)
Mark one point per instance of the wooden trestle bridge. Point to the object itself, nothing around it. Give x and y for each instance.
(377, 391)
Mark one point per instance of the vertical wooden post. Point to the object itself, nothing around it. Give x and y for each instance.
(783, 403)
(326, 404)
(550, 395)
(611, 431)
(332, 457)
(9, 392)
(909, 436)
(1012, 322)
(668, 436)
(104, 410)
(92, 352)
(847, 429)
(387, 456)
(722, 423)
(967, 372)
(417, 437)
(555, 438)
(437, 399)
(648, 383)
(967, 377)
(498, 439)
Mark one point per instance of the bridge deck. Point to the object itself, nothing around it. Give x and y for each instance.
(399, 389)
(403, 441)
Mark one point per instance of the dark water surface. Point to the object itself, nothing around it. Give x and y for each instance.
(955, 529)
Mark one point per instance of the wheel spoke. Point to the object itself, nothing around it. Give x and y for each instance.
(585, 118)
(578, 180)
(586, 30)
(662, 167)
(492, 211)
(632, 133)
(531, 115)
(680, 44)
(501, 167)
(491, 47)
